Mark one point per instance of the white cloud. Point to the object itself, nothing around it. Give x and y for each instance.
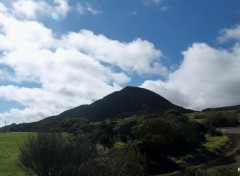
(5, 75)
(3, 9)
(80, 8)
(87, 8)
(137, 56)
(207, 77)
(17, 34)
(134, 12)
(230, 34)
(61, 7)
(28, 8)
(71, 69)
(90, 9)
(31, 9)
(157, 2)
(164, 8)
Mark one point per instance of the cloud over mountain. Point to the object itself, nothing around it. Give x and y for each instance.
(207, 77)
(48, 66)
(65, 70)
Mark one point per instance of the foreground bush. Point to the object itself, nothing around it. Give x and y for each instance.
(44, 155)
(57, 155)
(120, 162)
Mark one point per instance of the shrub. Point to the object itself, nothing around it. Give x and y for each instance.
(121, 162)
(58, 155)
(44, 155)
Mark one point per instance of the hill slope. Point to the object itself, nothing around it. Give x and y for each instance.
(227, 108)
(128, 101)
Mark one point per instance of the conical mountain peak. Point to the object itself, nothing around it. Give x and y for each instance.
(128, 101)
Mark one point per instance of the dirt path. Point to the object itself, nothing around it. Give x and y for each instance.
(234, 135)
(230, 153)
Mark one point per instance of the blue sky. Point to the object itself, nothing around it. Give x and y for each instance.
(59, 54)
(172, 30)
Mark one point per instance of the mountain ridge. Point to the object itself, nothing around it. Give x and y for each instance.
(223, 108)
(129, 100)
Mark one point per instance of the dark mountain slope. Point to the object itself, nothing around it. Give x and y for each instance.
(128, 101)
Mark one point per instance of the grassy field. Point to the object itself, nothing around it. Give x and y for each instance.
(9, 144)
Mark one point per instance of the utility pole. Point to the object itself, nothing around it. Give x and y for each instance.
(5, 127)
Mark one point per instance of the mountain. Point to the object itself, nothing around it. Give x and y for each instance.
(126, 102)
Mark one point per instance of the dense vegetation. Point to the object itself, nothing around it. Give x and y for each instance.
(151, 144)
(217, 118)
(58, 155)
(154, 136)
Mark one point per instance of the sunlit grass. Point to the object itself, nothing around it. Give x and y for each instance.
(216, 143)
(9, 151)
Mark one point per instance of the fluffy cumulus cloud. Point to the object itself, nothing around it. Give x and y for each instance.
(207, 77)
(31, 9)
(137, 56)
(67, 69)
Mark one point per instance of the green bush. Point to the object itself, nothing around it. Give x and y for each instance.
(58, 155)
(119, 161)
(44, 155)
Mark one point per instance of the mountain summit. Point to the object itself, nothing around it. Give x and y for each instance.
(128, 101)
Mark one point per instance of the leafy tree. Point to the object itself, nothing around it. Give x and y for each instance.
(222, 119)
(190, 135)
(124, 128)
(76, 126)
(168, 135)
(104, 134)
